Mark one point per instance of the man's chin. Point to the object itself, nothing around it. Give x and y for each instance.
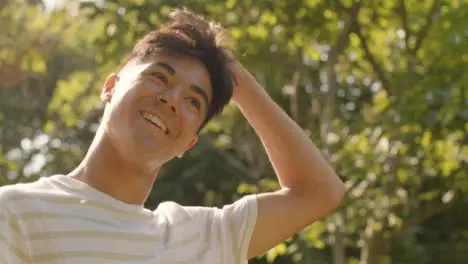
(148, 153)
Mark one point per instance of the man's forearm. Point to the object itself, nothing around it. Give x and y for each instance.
(297, 161)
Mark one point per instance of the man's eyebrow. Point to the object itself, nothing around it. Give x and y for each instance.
(164, 65)
(197, 89)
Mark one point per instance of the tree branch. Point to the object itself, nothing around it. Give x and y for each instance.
(378, 69)
(333, 55)
(338, 248)
(403, 12)
(410, 57)
(421, 36)
(296, 81)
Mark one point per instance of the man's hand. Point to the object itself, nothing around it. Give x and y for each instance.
(243, 80)
(310, 189)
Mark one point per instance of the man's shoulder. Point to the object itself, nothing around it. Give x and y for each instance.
(12, 193)
(176, 212)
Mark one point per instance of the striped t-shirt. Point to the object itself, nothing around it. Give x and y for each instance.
(61, 220)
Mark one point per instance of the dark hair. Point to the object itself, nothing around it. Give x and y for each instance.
(190, 35)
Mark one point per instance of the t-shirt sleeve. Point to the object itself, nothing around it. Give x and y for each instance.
(237, 222)
(227, 230)
(12, 243)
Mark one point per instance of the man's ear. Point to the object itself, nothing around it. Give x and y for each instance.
(108, 89)
(189, 145)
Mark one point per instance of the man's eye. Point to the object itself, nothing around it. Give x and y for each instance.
(195, 102)
(160, 76)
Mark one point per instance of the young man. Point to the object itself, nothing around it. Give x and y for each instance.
(174, 81)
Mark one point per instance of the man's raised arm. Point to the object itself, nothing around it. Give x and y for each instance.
(310, 189)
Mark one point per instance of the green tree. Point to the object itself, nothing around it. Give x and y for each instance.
(378, 85)
(47, 78)
(361, 78)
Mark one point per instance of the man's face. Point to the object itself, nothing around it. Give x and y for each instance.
(156, 106)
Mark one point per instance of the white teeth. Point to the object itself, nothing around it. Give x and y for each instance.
(156, 121)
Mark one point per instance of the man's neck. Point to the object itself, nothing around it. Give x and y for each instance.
(106, 170)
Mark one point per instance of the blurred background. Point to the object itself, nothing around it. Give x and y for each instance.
(380, 86)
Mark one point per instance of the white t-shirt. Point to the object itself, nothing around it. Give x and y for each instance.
(61, 220)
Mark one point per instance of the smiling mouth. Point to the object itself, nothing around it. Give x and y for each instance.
(155, 121)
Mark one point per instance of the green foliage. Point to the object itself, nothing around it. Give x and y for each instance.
(382, 91)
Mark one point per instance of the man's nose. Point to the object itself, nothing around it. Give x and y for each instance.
(170, 99)
(165, 101)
